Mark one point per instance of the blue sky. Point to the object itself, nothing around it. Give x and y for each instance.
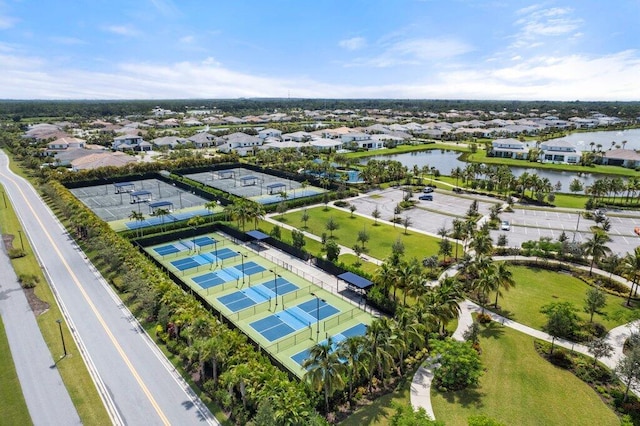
(434, 49)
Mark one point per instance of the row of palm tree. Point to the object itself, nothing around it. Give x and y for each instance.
(244, 211)
(611, 188)
(382, 352)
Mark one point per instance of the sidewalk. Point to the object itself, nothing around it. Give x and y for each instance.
(46, 396)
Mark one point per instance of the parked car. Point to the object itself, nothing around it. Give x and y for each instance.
(427, 190)
(505, 225)
(426, 197)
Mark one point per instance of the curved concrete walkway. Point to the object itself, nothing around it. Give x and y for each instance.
(421, 383)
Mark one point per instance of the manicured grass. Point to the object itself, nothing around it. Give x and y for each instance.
(481, 157)
(350, 259)
(311, 246)
(382, 236)
(379, 412)
(13, 408)
(74, 373)
(519, 387)
(536, 287)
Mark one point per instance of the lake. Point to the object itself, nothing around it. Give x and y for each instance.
(445, 161)
(582, 141)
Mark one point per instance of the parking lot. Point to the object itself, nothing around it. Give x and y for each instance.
(428, 216)
(525, 224)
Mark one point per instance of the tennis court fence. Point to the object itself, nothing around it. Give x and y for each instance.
(299, 337)
(252, 310)
(343, 317)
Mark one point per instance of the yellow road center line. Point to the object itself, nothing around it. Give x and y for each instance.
(121, 351)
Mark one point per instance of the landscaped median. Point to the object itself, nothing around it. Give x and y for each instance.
(72, 368)
(381, 235)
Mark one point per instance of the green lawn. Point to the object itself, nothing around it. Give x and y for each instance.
(382, 236)
(481, 157)
(519, 387)
(536, 287)
(72, 368)
(13, 408)
(350, 259)
(379, 411)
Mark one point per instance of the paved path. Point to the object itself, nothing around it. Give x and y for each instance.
(47, 399)
(421, 383)
(135, 380)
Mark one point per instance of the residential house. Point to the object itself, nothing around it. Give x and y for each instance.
(102, 159)
(204, 140)
(269, 133)
(130, 143)
(509, 148)
(169, 141)
(621, 157)
(559, 151)
(240, 143)
(360, 140)
(297, 136)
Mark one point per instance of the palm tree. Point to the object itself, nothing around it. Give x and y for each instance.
(379, 352)
(503, 278)
(137, 216)
(162, 213)
(210, 206)
(324, 370)
(596, 247)
(631, 270)
(457, 233)
(353, 351)
(386, 277)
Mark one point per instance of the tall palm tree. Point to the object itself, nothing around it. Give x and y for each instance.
(353, 351)
(324, 370)
(503, 278)
(386, 277)
(631, 270)
(596, 247)
(379, 355)
(457, 233)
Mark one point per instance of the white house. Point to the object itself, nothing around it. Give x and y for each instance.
(269, 133)
(559, 151)
(241, 143)
(130, 142)
(361, 140)
(509, 148)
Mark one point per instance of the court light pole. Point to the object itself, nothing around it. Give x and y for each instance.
(318, 299)
(64, 347)
(242, 256)
(275, 284)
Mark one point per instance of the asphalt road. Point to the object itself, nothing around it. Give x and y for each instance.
(136, 381)
(47, 399)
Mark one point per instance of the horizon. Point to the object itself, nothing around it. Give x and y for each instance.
(407, 50)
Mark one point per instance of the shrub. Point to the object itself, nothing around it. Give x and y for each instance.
(28, 280)
(484, 318)
(341, 203)
(15, 253)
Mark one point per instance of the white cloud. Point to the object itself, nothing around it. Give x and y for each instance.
(611, 77)
(537, 24)
(354, 43)
(68, 40)
(7, 22)
(123, 30)
(414, 52)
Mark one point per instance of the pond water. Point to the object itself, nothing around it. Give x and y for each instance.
(582, 141)
(445, 161)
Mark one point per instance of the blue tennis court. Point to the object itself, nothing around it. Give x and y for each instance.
(311, 307)
(165, 250)
(253, 295)
(204, 241)
(282, 284)
(251, 268)
(292, 319)
(225, 253)
(208, 280)
(357, 330)
(272, 328)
